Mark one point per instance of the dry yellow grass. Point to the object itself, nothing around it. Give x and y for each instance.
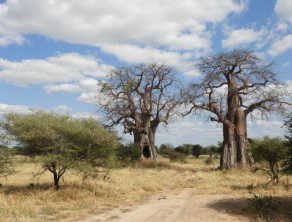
(22, 199)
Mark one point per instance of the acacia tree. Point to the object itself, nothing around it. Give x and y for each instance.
(140, 98)
(268, 153)
(233, 86)
(59, 142)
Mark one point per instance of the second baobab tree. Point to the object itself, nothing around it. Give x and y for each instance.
(233, 86)
(140, 98)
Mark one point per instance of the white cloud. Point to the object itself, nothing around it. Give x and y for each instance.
(10, 39)
(84, 85)
(173, 24)
(286, 64)
(60, 68)
(283, 9)
(85, 115)
(242, 37)
(135, 54)
(88, 84)
(281, 45)
(5, 108)
(71, 88)
(62, 109)
(88, 98)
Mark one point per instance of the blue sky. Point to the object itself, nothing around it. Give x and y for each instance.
(52, 52)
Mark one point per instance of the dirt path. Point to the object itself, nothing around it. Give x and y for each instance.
(183, 207)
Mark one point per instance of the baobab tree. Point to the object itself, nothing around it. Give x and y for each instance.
(140, 98)
(235, 85)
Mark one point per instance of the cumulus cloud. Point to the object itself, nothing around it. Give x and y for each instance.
(5, 108)
(84, 85)
(280, 45)
(60, 68)
(242, 37)
(283, 9)
(173, 24)
(136, 54)
(90, 98)
(286, 64)
(71, 88)
(10, 39)
(62, 109)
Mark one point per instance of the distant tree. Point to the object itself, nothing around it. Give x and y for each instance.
(165, 147)
(234, 85)
(268, 153)
(197, 150)
(206, 151)
(213, 150)
(7, 155)
(60, 142)
(185, 149)
(140, 98)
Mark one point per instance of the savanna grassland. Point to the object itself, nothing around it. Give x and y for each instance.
(26, 199)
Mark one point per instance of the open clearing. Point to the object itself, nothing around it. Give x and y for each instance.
(169, 191)
(183, 207)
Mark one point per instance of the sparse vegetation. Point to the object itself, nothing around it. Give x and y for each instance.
(25, 199)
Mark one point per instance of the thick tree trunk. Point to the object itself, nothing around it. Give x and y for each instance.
(145, 138)
(235, 143)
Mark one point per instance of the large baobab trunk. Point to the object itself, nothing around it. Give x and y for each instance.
(144, 136)
(234, 154)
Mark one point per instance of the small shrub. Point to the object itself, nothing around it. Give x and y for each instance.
(263, 205)
(129, 153)
(209, 161)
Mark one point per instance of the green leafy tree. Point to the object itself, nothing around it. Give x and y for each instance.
(60, 142)
(268, 153)
(185, 149)
(197, 150)
(128, 153)
(7, 155)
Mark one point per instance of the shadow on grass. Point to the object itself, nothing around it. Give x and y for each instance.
(257, 208)
(37, 187)
(162, 166)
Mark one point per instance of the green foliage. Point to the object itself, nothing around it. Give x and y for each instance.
(197, 150)
(268, 153)
(7, 164)
(60, 142)
(129, 153)
(208, 161)
(185, 149)
(166, 150)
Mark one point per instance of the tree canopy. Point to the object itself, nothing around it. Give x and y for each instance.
(141, 97)
(60, 142)
(268, 153)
